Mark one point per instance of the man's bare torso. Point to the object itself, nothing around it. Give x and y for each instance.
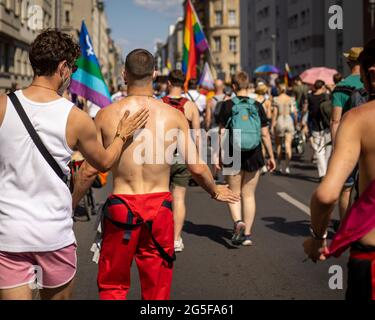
(366, 118)
(129, 176)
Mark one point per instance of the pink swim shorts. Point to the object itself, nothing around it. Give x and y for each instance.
(45, 269)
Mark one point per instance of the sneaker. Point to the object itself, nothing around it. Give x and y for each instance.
(238, 232)
(179, 246)
(287, 170)
(264, 170)
(247, 242)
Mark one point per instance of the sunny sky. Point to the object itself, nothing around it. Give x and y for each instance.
(140, 23)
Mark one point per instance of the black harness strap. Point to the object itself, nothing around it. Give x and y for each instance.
(129, 226)
(36, 138)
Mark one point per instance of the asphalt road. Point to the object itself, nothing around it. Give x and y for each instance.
(211, 268)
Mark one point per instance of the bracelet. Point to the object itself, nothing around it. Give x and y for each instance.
(123, 138)
(314, 235)
(215, 196)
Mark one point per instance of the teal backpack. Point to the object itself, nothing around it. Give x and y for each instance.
(245, 117)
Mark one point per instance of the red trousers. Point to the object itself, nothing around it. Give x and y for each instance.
(117, 253)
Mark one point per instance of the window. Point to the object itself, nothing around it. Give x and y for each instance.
(232, 20)
(67, 17)
(218, 18)
(232, 69)
(6, 53)
(233, 44)
(217, 42)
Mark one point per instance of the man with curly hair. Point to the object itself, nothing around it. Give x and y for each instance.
(37, 243)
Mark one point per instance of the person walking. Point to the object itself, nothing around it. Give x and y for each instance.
(348, 94)
(245, 181)
(283, 126)
(320, 134)
(137, 217)
(180, 175)
(354, 144)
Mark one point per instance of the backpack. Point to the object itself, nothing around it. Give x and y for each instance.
(245, 117)
(178, 104)
(218, 107)
(326, 108)
(357, 96)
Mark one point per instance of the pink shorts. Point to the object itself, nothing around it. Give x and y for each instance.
(43, 269)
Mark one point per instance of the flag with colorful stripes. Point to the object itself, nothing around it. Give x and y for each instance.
(88, 80)
(194, 42)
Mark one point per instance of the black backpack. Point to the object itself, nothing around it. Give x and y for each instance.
(357, 96)
(326, 108)
(217, 110)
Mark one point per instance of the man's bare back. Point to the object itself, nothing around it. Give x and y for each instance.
(355, 143)
(365, 123)
(130, 177)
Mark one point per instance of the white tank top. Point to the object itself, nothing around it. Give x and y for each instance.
(35, 205)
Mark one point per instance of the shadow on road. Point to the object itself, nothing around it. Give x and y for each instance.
(291, 228)
(304, 167)
(214, 233)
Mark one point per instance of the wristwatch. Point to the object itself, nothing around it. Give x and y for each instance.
(314, 235)
(123, 138)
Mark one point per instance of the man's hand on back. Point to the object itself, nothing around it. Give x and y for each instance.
(224, 194)
(129, 125)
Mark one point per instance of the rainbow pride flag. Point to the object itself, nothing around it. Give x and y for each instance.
(88, 81)
(194, 42)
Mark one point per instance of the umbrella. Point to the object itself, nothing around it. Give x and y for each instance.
(312, 75)
(266, 68)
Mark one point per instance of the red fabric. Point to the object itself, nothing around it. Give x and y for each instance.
(371, 257)
(359, 221)
(178, 104)
(117, 254)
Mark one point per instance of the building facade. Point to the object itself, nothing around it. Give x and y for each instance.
(20, 23)
(297, 32)
(22, 20)
(72, 14)
(222, 28)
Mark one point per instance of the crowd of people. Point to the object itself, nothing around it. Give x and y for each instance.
(264, 120)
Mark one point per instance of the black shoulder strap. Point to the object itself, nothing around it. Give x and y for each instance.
(190, 96)
(35, 137)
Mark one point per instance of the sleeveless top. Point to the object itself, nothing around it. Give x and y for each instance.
(35, 205)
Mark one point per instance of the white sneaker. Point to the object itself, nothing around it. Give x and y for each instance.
(179, 246)
(287, 170)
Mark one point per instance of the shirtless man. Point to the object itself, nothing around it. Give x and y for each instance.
(354, 142)
(180, 175)
(141, 191)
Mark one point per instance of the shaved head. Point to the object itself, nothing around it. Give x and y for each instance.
(219, 86)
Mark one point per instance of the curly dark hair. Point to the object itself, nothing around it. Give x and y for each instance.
(49, 49)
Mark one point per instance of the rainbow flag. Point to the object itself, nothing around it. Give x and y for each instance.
(194, 41)
(288, 74)
(88, 81)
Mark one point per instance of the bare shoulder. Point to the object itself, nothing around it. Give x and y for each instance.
(3, 103)
(361, 117)
(79, 120)
(365, 112)
(191, 105)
